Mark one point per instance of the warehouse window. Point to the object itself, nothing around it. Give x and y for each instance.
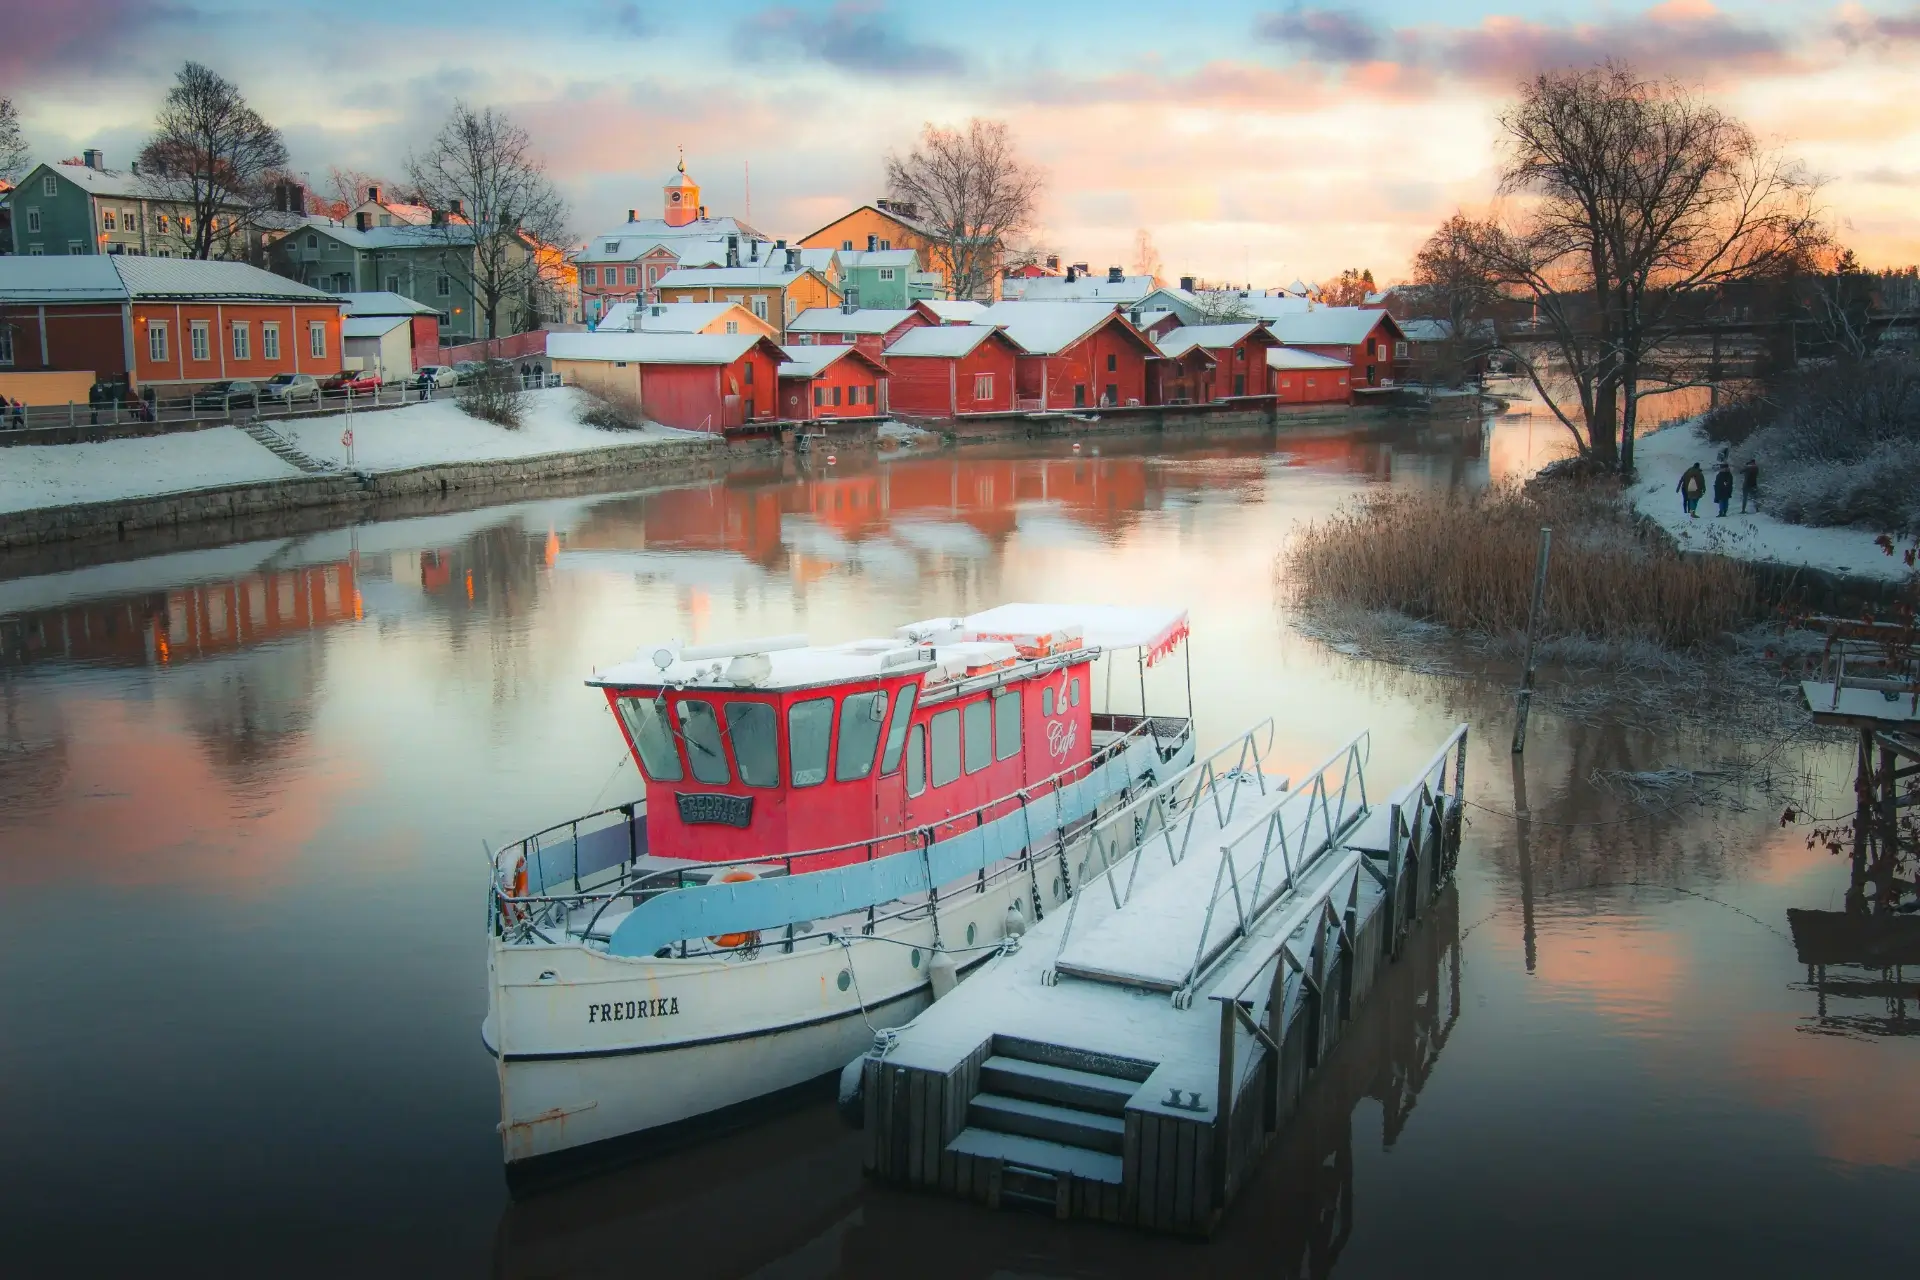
(6, 345)
(157, 340)
(270, 340)
(317, 340)
(983, 386)
(197, 340)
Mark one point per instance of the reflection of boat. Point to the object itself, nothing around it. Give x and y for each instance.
(827, 833)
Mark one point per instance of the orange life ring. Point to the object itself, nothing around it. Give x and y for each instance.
(514, 912)
(737, 875)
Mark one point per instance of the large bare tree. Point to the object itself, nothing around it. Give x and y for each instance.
(497, 210)
(1630, 202)
(14, 154)
(214, 158)
(970, 191)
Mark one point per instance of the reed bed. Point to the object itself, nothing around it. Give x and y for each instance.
(1466, 562)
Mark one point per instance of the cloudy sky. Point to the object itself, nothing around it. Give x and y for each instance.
(1253, 141)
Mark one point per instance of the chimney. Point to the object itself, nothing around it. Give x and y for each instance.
(659, 311)
(134, 168)
(633, 215)
(1072, 274)
(703, 213)
(753, 251)
(437, 218)
(1186, 284)
(1133, 317)
(793, 259)
(373, 194)
(1081, 268)
(781, 245)
(1053, 262)
(1116, 276)
(93, 158)
(360, 221)
(733, 251)
(454, 210)
(850, 303)
(873, 243)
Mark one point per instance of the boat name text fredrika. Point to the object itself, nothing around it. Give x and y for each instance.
(625, 1010)
(716, 808)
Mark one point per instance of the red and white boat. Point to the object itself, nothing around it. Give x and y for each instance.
(829, 834)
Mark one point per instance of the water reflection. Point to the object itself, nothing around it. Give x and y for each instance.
(243, 791)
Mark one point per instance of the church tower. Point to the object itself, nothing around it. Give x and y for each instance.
(683, 197)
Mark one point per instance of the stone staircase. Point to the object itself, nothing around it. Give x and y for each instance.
(1046, 1112)
(284, 449)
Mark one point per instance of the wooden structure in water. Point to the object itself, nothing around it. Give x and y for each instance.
(1133, 1057)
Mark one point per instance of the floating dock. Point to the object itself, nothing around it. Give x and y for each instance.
(1132, 1057)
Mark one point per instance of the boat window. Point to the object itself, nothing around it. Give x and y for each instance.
(903, 699)
(1046, 701)
(750, 725)
(917, 760)
(649, 731)
(1006, 724)
(1073, 691)
(979, 735)
(809, 730)
(946, 747)
(705, 752)
(861, 716)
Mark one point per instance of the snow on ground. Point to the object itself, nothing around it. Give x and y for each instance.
(57, 474)
(391, 439)
(424, 435)
(1663, 455)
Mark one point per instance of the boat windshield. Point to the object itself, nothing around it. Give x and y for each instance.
(897, 728)
(861, 716)
(751, 726)
(701, 728)
(809, 735)
(648, 726)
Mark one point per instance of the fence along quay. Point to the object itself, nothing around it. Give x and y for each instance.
(1129, 1060)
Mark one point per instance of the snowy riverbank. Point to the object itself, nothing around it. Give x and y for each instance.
(1663, 455)
(423, 435)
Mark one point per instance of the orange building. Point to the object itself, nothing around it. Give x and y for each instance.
(164, 322)
(776, 292)
(892, 224)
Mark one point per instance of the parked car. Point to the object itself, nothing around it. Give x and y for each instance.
(227, 395)
(466, 371)
(291, 388)
(436, 375)
(357, 381)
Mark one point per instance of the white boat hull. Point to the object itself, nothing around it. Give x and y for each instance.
(607, 1046)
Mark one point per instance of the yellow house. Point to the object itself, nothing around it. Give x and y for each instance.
(888, 224)
(684, 317)
(774, 292)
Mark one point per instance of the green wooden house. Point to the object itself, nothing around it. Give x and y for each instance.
(889, 279)
(87, 208)
(430, 264)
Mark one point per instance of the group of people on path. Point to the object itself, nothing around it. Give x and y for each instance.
(1693, 484)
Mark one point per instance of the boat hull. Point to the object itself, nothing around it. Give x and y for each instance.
(610, 1047)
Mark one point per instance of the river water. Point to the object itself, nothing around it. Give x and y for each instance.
(244, 789)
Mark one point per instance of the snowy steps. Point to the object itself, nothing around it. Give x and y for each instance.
(284, 449)
(1044, 1120)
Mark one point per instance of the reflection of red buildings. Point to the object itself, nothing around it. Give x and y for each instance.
(191, 622)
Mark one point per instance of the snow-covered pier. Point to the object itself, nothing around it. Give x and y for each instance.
(1131, 1057)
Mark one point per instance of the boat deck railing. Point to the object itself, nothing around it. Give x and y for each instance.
(524, 914)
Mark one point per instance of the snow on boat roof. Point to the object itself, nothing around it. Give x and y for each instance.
(1155, 628)
(797, 668)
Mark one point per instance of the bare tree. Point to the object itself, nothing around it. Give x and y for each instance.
(1222, 306)
(495, 209)
(1146, 258)
(1633, 202)
(14, 153)
(1842, 301)
(1349, 289)
(347, 187)
(971, 191)
(213, 157)
(1451, 284)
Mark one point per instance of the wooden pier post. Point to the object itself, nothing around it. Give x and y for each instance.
(1525, 699)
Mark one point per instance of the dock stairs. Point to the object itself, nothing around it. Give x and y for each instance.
(1047, 1113)
(284, 449)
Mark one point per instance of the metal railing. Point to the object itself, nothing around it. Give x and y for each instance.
(1423, 828)
(525, 913)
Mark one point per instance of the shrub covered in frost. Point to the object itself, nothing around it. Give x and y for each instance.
(1841, 446)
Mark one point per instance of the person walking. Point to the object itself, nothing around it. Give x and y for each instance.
(1750, 485)
(19, 415)
(93, 405)
(1693, 483)
(1723, 487)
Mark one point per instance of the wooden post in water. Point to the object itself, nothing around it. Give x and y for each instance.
(1525, 699)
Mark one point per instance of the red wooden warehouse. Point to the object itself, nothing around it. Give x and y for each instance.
(1078, 355)
(832, 382)
(1239, 352)
(949, 370)
(694, 381)
(164, 322)
(1366, 338)
(1304, 377)
(870, 328)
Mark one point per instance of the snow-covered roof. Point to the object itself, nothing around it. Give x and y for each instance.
(106, 182)
(1211, 336)
(400, 236)
(370, 326)
(1261, 306)
(836, 320)
(1044, 328)
(1088, 289)
(953, 340)
(119, 277)
(958, 311)
(851, 258)
(749, 277)
(653, 348)
(811, 362)
(1330, 325)
(632, 240)
(1289, 358)
(787, 668)
(382, 303)
(665, 317)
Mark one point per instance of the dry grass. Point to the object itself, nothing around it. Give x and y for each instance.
(1466, 562)
(611, 410)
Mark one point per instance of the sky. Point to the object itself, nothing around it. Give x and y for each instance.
(1255, 142)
